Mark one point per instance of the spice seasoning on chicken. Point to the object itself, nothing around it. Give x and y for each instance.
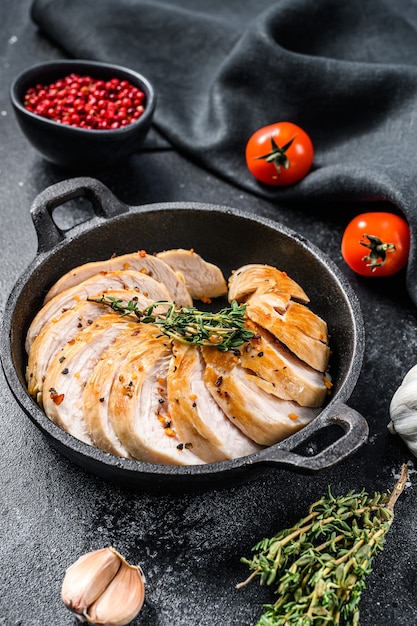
(56, 397)
(253, 389)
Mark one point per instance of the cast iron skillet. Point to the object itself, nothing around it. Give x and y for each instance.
(229, 238)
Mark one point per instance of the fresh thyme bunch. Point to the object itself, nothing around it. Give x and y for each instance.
(224, 330)
(321, 563)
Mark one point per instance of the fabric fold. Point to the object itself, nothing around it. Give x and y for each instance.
(345, 72)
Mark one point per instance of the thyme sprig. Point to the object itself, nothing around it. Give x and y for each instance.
(224, 330)
(321, 563)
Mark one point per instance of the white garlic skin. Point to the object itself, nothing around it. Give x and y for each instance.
(122, 599)
(102, 588)
(403, 410)
(86, 579)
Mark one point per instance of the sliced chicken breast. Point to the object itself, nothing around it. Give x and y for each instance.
(69, 371)
(147, 264)
(259, 278)
(98, 388)
(280, 372)
(303, 332)
(204, 280)
(261, 416)
(62, 328)
(138, 408)
(99, 283)
(196, 417)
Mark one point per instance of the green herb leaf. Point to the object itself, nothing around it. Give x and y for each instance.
(224, 330)
(322, 562)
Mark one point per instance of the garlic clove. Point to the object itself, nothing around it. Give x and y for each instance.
(122, 600)
(87, 578)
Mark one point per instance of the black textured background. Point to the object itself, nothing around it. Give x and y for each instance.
(189, 546)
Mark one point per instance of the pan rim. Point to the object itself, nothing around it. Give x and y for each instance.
(133, 466)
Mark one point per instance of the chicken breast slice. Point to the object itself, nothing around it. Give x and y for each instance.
(261, 416)
(98, 388)
(197, 418)
(69, 371)
(99, 283)
(203, 279)
(147, 264)
(303, 332)
(62, 328)
(278, 371)
(259, 278)
(138, 408)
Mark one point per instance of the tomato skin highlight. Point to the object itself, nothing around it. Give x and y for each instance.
(300, 154)
(390, 229)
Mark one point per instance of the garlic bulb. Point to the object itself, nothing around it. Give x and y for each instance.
(403, 410)
(101, 587)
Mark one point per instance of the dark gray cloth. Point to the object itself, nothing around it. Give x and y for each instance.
(344, 71)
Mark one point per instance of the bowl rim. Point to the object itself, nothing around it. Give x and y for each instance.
(146, 85)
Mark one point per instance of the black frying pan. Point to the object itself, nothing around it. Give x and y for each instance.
(224, 236)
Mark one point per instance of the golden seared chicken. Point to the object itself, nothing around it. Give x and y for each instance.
(196, 417)
(120, 358)
(137, 404)
(262, 416)
(97, 389)
(71, 368)
(61, 328)
(259, 278)
(142, 262)
(280, 372)
(204, 280)
(301, 330)
(98, 283)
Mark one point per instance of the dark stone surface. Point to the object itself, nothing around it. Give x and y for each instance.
(188, 545)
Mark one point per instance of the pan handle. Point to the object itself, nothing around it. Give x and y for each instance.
(355, 433)
(103, 201)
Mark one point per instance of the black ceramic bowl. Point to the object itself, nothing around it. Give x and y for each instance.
(70, 146)
(229, 238)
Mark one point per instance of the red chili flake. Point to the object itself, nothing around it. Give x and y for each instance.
(56, 397)
(86, 102)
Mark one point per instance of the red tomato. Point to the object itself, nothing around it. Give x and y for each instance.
(279, 154)
(376, 244)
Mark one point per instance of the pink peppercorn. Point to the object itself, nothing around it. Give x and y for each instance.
(86, 102)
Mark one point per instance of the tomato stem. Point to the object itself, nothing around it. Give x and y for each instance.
(278, 155)
(378, 251)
